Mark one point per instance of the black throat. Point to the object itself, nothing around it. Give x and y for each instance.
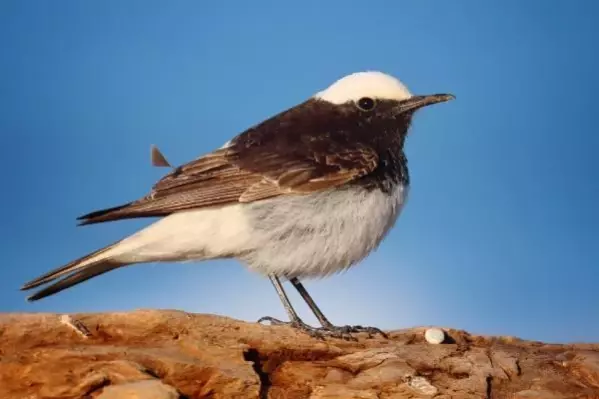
(392, 172)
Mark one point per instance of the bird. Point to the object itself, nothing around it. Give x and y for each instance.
(304, 194)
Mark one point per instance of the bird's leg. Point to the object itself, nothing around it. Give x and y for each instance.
(293, 317)
(326, 324)
(295, 320)
(322, 319)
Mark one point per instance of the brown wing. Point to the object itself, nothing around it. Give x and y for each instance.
(260, 163)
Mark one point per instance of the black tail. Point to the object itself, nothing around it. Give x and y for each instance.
(102, 215)
(130, 210)
(78, 271)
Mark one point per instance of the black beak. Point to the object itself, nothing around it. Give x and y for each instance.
(415, 102)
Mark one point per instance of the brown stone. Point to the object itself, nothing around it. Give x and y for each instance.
(147, 389)
(171, 354)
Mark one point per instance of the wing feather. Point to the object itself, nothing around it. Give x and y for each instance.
(258, 164)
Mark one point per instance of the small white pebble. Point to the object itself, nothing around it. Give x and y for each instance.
(434, 336)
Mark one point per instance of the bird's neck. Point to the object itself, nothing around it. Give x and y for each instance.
(391, 172)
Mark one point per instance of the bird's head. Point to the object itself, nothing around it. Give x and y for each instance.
(377, 94)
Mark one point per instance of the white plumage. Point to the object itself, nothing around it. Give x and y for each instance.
(311, 235)
(365, 84)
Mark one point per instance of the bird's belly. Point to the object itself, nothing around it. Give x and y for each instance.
(319, 234)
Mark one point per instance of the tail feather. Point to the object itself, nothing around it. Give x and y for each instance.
(68, 268)
(79, 270)
(80, 276)
(131, 210)
(102, 215)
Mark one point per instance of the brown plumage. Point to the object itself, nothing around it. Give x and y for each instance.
(284, 155)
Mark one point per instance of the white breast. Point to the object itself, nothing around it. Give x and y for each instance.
(292, 236)
(319, 234)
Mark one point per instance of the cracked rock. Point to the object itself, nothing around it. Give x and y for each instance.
(171, 354)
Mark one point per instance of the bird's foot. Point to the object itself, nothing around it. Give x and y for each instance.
(298, 324)
(348, 330)
(344, 332)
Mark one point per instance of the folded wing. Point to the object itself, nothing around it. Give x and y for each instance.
(258, 164)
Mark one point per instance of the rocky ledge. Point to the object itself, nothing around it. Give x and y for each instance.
(172, 354)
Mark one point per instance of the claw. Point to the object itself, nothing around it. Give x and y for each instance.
(359, 329)
(273, 321)
(342, 332)
(298, 324)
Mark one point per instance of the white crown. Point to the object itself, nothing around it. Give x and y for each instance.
(364, 84)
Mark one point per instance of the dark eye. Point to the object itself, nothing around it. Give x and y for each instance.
(366, 104)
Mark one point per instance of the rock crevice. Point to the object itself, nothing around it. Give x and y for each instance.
(252, 355)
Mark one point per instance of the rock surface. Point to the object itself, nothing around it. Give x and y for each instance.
(171, 354)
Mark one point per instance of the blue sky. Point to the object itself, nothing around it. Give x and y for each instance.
(501, 231)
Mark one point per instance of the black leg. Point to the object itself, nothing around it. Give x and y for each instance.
(295, 320)
(326, 324)
(315, 309)
(284, 298)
